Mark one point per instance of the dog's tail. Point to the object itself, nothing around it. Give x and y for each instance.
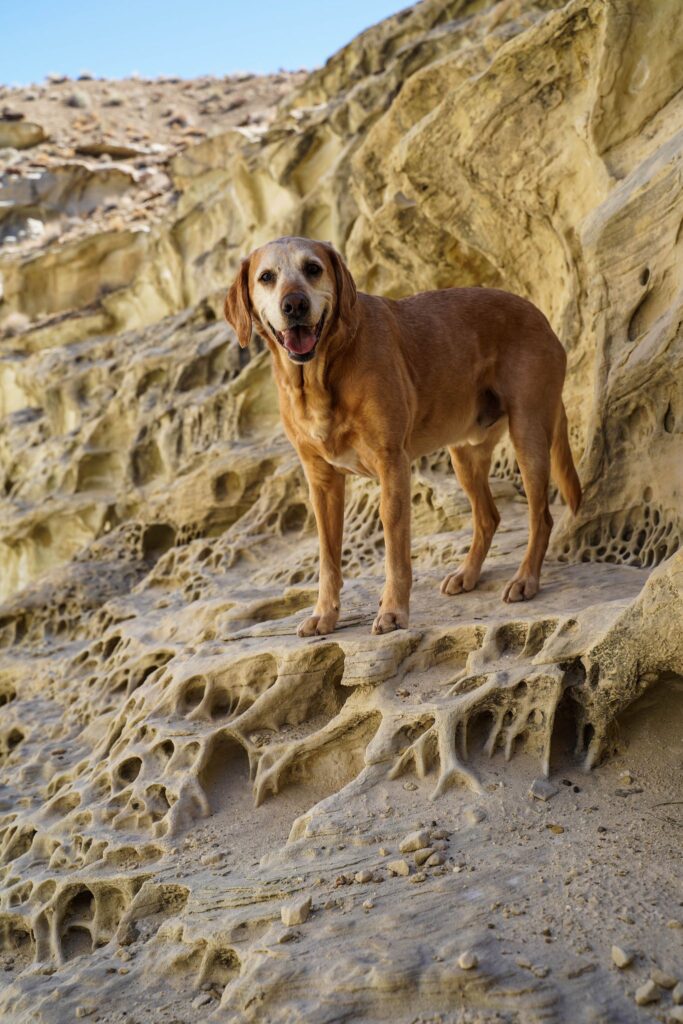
(562, 463)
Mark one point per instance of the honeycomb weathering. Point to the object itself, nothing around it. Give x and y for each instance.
(175, 765)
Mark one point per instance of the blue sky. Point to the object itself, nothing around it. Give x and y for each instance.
(114, 38)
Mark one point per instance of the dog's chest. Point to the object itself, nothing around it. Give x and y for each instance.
(324, 428)
(335, 447)
(348, 461)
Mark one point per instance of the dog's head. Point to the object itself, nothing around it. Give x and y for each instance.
(295, 291)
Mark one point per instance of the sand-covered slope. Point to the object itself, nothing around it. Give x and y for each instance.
(177, 769)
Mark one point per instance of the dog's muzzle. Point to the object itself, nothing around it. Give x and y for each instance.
(300, 340)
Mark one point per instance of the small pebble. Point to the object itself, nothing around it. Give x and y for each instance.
(289, 934)
(542, 789)
(211, 858)
(296, 912)
(663, 979)
(468, 960)
(435, 861)
(84, 1011)
(621, 957)
(675, 1015)
(414, 841)
(383, 852)
(647, 993)
(368, 904)
(473, 815)
(556, 829)
(673, 923)
(677, 994)
(409, 786)
(440, 833)
(203, 999)
(363, 876)
(78, 99)
(423, 855)
(398, 867)
(419, 876)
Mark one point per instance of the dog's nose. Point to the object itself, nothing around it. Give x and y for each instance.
(295, 304)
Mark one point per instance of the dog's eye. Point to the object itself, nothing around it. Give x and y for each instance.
(267, 277)
(313, 269)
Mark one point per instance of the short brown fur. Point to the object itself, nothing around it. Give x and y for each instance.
(389, 381)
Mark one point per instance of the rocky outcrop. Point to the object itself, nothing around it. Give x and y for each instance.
(180, 774)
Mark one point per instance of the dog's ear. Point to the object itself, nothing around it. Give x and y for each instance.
(346, 286)
(237, 306)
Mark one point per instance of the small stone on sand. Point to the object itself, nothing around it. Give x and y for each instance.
(468, 960)
(677, 994)
(423, 855)
(542, 789)
(211, 858)
(296, 912)
(398, 867)
(662, 978)
(414, 841)
(621, 957)
(363, 876)
(647, 993)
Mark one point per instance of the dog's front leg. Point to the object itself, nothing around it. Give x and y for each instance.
(394, 479)
(326, 488)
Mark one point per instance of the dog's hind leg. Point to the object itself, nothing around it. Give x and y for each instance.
(471, 464)
(531, 439)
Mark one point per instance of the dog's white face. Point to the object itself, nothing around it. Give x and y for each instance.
(292, 288)
(297, 292)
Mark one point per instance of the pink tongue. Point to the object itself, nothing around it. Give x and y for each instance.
(299, 340)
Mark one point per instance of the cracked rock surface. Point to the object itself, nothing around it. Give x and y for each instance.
(204, 817)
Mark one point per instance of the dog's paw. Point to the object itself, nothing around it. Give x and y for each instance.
(521, 588)
(318, 625)
(388, 621)
(458, 582)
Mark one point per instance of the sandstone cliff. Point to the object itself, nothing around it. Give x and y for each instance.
(177, 767)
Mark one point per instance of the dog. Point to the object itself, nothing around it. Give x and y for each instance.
(367, 384)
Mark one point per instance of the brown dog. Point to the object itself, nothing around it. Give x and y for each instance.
(367, 384)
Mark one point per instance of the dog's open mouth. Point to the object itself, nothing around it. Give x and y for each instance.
(300, 341)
